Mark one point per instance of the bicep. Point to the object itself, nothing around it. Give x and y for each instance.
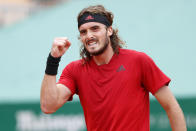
(165, 97)
(64, 93)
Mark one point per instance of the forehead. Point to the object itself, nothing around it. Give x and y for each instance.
(90, 24)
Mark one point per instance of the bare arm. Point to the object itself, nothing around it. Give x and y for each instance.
(53, 95)
(172, 108)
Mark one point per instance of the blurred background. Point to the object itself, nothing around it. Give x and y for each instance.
(165, 30)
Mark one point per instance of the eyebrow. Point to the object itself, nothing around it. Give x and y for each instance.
(83, 30)
(94, 26)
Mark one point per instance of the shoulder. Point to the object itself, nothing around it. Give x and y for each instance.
(75, 64)
(134, 56)
(133, 53)
(73, 67)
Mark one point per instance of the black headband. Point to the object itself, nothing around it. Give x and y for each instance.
(89, 17)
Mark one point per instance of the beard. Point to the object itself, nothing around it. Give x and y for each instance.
(101, 50)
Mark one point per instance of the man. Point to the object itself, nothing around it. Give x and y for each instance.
(113, 84)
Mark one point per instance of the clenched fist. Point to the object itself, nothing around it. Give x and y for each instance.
(59, 46)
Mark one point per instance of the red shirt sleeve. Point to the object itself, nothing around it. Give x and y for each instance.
(152, 77)
(67, 79)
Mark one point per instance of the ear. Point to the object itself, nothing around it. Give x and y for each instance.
(109, 31)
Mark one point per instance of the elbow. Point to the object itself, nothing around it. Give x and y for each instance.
(46, 109)
(173, 109)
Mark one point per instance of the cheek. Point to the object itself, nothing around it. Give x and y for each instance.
(82, 40)
(101, 36)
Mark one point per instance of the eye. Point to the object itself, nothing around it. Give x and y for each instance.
(95, 28)
(82, 32)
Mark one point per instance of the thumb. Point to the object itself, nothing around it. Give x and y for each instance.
(67, 44)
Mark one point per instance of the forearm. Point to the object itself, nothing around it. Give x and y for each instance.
(176, 118)
(49, 94)
(53, 95)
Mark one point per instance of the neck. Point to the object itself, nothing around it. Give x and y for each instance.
(105, 57)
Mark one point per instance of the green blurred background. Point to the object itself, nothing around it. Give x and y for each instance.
(165, 30)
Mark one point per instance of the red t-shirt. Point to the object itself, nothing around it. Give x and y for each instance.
(115, 96)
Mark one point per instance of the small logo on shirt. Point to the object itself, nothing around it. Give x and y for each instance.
(89, 18)
(121, 68)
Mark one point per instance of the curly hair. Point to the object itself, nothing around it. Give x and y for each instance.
(116, 42)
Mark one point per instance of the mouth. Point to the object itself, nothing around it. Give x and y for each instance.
(91, 43)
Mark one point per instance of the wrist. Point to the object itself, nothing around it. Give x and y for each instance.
(52, 65)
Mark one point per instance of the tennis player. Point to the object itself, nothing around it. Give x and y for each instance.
(113, 84)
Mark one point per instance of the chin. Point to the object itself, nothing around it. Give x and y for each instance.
(96, 53)
(93, 51)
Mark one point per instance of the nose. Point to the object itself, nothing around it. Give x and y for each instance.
(89, 35)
